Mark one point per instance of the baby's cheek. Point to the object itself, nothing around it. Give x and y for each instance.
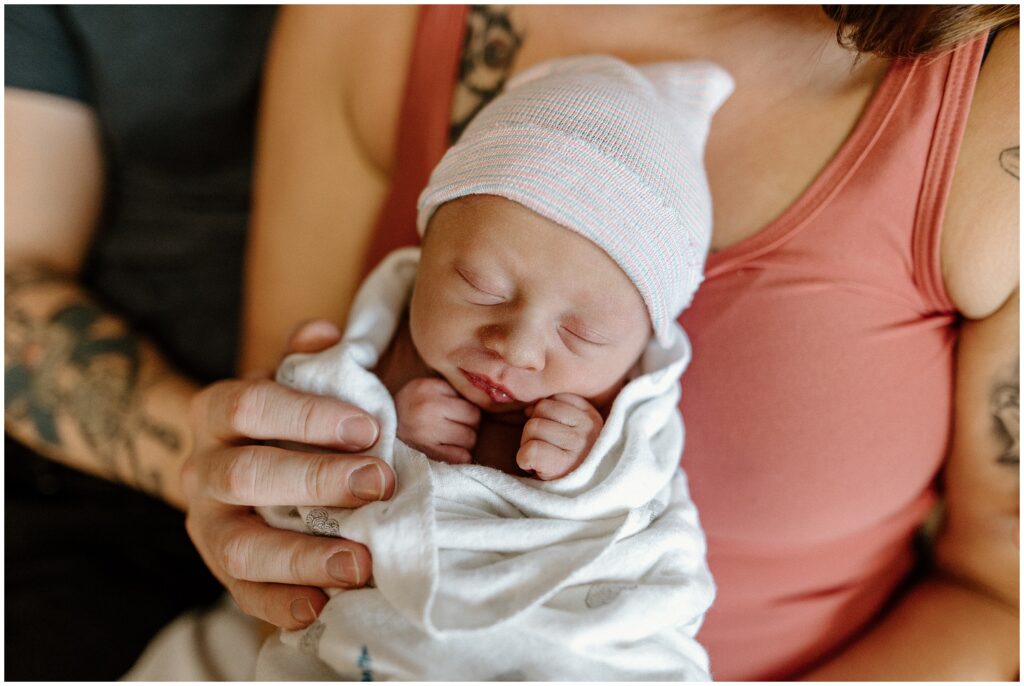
(425, 329)
(594, 382)
(436, 322)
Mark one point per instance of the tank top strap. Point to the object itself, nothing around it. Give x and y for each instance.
(956, 95)
(422, 136)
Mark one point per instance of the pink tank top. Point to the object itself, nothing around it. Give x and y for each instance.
(818, 403)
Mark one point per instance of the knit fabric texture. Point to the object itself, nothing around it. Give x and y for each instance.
(609, 150)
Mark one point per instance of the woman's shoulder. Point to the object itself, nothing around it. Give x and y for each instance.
(981, 231)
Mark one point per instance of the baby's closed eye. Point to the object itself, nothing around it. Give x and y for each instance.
(481, 292)
(584, 335)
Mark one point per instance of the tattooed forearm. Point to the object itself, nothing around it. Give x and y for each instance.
(72, 378)
(488, 53)
(17, 280)
(1005, 407)
(1009, 160)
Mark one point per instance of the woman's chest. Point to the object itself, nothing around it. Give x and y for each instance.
(762, 156)
(813, 402)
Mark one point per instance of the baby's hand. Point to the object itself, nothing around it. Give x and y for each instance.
(560, 432)
(436, 420)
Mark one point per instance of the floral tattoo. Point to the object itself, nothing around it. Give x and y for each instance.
(488, 53)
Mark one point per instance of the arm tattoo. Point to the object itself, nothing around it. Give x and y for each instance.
(1009, 160)
(77, 368)
(489, 50)
(1005, 407)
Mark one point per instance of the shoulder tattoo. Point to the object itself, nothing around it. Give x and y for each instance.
(1005, 409)
(488, 53)
(1009, 160)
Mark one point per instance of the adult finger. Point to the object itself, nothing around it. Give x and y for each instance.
(252, 475)
(233, 410)
(284, 606)
(313, 336)
(249, 550)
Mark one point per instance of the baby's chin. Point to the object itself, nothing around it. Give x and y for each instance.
(507, 409)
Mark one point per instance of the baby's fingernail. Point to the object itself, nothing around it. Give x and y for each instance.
(367, 482)
(344, 567)
(359, 432)
(302, 611)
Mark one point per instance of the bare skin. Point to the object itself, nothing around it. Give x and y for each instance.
(798, 96)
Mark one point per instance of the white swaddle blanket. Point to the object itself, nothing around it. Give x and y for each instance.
(481, 575)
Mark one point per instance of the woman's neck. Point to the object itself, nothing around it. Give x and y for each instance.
(786, 40)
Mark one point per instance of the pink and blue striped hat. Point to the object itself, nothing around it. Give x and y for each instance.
(609, 150)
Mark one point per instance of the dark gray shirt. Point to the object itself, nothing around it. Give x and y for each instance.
(175, 89)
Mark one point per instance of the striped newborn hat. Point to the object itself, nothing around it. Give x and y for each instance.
(608, 150)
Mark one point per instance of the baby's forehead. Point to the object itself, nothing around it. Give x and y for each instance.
(500, 227)
(507, 248)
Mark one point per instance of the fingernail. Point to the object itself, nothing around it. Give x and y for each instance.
(302, 611)
(367, 482)
(360, 432)
(344, 567)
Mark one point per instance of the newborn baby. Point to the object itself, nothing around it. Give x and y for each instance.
(531, 350)
(524, 333)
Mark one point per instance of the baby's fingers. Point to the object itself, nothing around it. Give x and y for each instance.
(556, 433)
(557, 409)
(461, 411)
(455, 434)
(579, 402)
(452, 454)
(545, 460)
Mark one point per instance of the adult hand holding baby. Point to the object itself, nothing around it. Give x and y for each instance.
(278, 575)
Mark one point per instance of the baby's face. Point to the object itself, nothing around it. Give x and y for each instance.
(511, 308)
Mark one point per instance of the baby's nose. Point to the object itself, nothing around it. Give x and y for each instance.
(520, 345)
